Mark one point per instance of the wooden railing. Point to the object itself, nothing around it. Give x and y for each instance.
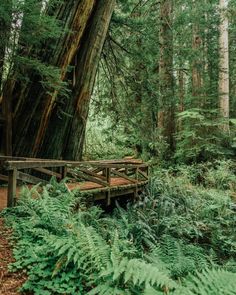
(99, 172)
(102, 173)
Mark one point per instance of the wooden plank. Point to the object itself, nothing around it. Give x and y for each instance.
(9, 165)
(119, 166)
(122, 175)
(48, 172)
(103, 194)
(109, 163)
(145, 169)
(136, 193)
(97, 170)
(108, 198)
(108, 175)
(91, 173)
(90, 178)
(12, 158)
(29, 178)
(3, 177)
(11, 193)
(115, 188)
(143, 174)
(25, 164)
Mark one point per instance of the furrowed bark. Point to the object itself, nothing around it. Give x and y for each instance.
(33, 104)
(86, 73)
(66, 134)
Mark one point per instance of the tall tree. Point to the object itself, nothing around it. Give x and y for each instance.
(44, 66)
(65, 137)
(166, 114)
(224, 64)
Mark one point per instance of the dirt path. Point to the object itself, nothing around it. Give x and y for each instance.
(9, 282)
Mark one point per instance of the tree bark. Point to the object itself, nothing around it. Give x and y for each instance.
(36, 122)
(181, 94)
(224, 64)
(33, 103)
(66, 135)
(166, 114)
(196, 66)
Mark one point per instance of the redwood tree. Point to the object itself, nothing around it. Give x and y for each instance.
(47, 120)
(166, 117)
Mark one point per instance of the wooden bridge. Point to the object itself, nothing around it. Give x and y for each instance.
(104, 180)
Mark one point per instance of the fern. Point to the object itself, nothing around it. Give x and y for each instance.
(178, 239)
(210, 282)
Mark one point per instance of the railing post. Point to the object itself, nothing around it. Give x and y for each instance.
(12, 182)
(108, 179)
(63, 172)
(108, 197)
(108, 175)
(136, 173)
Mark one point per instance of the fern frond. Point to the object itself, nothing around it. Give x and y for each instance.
(106, 289)
(211, 282)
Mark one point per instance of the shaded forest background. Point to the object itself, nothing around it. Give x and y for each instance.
(157, 76)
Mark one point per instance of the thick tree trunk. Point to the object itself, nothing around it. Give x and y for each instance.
(33, 103)
(66, 134)
(166, 114)
(224, 64)
(36, 113)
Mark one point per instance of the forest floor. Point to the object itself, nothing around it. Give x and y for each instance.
(9, 282)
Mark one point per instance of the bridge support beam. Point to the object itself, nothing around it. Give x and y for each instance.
(12, 182)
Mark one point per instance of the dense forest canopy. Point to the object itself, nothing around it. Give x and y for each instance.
(163, 83)
(166, 81)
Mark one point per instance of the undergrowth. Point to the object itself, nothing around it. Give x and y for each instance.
(179, 238)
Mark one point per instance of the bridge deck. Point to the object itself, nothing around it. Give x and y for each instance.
(104, 180)
(119, 186)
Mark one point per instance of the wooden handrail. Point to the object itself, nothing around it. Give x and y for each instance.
(26, 164)
(94, 171)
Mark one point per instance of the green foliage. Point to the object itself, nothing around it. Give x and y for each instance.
(178, 239)
(102, 143)
(28, 26)
(211, 282)
(201, 138)
(128, 93)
